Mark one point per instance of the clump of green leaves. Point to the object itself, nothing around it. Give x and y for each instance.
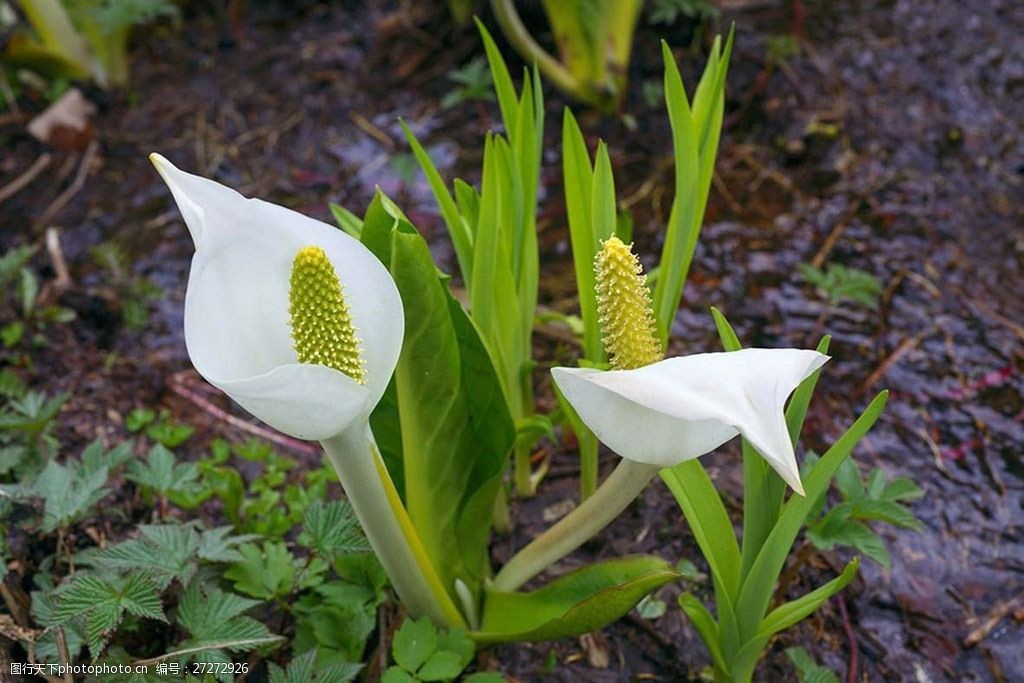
(158, 426)
(423, 653)
(472, 84)
(270, 502)
(27, 423)
(136, 293)
(22, 318)
(874, 499)
(745, 572)
(838, 284)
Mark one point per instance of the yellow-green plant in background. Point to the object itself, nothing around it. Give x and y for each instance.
(84, 39)
(594, 39)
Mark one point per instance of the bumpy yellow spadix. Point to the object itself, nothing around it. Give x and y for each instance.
(624, 307)
(320, 320)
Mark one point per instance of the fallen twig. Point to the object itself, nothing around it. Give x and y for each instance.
(997, 614)
(60, 265)
(16, 185)
(67, 195)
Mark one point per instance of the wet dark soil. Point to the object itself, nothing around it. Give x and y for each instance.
(893, 143)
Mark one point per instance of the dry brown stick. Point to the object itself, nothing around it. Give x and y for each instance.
(76, 185)
(833, 237)
(997, 614)
(60, 265)
(262, 432)
(904, 346)
(16, 185)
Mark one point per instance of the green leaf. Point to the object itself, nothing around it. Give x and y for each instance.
(578, 181)
(458, 230)
(902, 488)
(759, 584)
(441, 666)
(485, 677)
(220, 545)
(103, 604)
(506, 92)
(848, 481)
(456, 430)
(332, 528)
(346, 220)
(706, 627)
(397, 675)
(167, 552)
(415, 641)
(161, 474)
(709, 521)
(579, 602)
(66, 497)
(794, 611)
(808, 670)
(264, 573)
(204, 610)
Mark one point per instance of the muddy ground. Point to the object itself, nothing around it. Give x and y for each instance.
(894, 143)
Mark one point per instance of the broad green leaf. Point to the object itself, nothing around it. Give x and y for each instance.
(757, 588)
(456, 431)
(579, 602)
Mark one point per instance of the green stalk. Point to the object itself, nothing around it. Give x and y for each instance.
(376, 503)
(595, 513)
(587, 443)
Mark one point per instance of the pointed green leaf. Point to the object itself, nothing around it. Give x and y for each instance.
(578, 602)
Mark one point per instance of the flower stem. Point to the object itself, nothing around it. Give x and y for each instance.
(386, 523)
(619, 490)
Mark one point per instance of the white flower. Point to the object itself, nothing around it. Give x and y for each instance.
(237, 309)
(681, 408)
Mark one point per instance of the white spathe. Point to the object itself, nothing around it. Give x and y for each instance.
(683, 407)
(236, 309)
